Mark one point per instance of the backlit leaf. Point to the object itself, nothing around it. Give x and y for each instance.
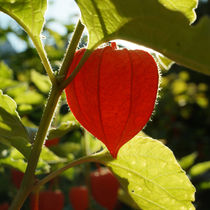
(28, 13)
(149, 172)
(41, 81)
(63, 129)
(186, 7)
(162, 28)
(12, 131)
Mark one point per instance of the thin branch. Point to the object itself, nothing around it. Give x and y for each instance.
(71, 49)
(85, 159)
(43, 56)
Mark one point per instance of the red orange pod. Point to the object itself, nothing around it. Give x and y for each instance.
(78, 197)
(4, 206)
(16, 177)
(51, 142)
(114, 93)
(47, 200)
(104, 188)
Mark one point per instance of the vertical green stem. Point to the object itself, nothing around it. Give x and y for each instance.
(42, 54)
(28, 179)
(71, 48)
(86, 151)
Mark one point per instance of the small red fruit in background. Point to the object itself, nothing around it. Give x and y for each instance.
(47, 200)
(104, 188)
(51, 142)
(114, 93)
(78, 197)
(16, 177)
(4, 206)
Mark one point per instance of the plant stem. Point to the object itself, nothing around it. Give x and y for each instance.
(77, 69)
(85, 159)
(86, 151)
(28, 179)
(43, 56)
(71, 49)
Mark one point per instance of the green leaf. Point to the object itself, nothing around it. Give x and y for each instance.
(63, 129)
(6, 76)
(149, 172)
(151, 24)
(17, 90)
(30, 97)
(42, 82)
(186, 7)
(92, 144)
(188, 160)
(49, 157)
(5, 71)
(125, 198)
(200, 168)
(28, 13)
(22, 94)
(14, 159)
(12, 131)
(164, 62)
(66, 149)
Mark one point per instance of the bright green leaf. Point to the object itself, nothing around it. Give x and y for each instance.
(63, 129)
(23, 95)
(125, 198)
(66, 149)
(149, 172)
(68, 174)
(151, 24)
(49, 157)
(92, 144)
(30, 97)
(28, 13)
(42, 82)
(164, 62)
(5, 83)
(14, 159)
(188, 160)
(18, 89)
(185, 6)
(69, 117)
(6, 76)
(5, 71)
(25, 108)
(200, 168)
(12, 131)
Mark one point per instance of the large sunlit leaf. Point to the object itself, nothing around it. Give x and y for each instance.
(12, 131)
(164, 28)
(28, 13)
(149, 172)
